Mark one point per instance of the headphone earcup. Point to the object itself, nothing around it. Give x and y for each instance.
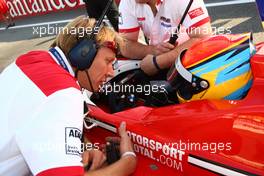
(82, 55)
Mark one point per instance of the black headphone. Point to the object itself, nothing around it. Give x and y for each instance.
(83, 53)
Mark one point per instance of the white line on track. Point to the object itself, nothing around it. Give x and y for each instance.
(217, 4)
(39, 24)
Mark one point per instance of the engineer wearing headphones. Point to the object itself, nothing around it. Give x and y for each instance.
(42, 106)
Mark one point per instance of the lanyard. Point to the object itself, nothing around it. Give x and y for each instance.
(59, 58)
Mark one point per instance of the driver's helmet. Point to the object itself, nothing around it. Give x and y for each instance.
(217, 67)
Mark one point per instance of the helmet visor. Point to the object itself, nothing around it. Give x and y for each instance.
(183, 81)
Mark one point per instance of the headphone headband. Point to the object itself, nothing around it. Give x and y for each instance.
(83, 53)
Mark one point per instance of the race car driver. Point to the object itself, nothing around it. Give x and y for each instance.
(158, 19)
(41, 108)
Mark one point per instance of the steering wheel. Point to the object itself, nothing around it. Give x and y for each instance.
(123, 98)
(126, 97)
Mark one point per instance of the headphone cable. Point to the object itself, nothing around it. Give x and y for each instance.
(89, 79)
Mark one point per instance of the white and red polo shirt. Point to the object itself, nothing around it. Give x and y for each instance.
(41, 117)
(135, 16)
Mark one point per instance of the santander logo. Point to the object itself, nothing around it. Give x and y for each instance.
(20, 8)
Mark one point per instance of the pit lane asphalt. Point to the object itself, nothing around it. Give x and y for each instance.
(238, 18)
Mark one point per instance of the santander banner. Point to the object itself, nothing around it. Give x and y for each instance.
(22, 8)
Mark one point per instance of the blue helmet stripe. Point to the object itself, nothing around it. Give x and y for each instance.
(230, 72)
(212, 65)
(240, 92)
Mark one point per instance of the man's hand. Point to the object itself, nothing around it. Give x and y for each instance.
(162, 48)
(126, 165)
(125, 142)
(148, 66)
(96, 157)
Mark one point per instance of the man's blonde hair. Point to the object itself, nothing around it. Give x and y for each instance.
(69, 36)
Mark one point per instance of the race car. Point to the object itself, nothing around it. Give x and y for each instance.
(202, 137)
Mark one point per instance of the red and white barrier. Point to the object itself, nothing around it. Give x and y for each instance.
(24, 8)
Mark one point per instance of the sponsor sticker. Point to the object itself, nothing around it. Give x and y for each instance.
(155, 150)
(73, 141)
(141, 18)
(195, 13)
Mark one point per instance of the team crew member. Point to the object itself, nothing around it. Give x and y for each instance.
(41, 108)
(95, 8)
(158, 19)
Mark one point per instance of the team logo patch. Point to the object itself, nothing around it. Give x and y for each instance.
(72, 141)
(165, 22)
(141, 18)
(195, 13)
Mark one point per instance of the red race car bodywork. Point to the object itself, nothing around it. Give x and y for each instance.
(205, 137)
